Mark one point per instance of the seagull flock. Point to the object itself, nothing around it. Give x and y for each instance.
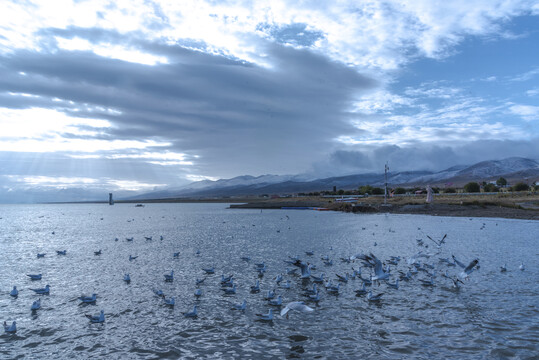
(314, 279)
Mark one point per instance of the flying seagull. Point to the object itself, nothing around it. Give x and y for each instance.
(297, 306)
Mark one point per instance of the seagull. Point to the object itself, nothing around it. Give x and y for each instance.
(361, 291)
(266, 317)
(97, 319)
(148, 238)
(44, 290)
(40, 255)
(342, 278)
(438, 243)
(176, 255)
(129, 239)
(245, 258)
(395, 285)
(158, 292)
(468, 269)
(379, 273)
(34, 276)
(309, 253)
(240, 307)
(11, 328)
(36, 305)
(312, 291)
(127, 278)
(231, 291)
(270, 295)
(256, 287)
(296, 305)
(61, 252)
(193, 313)
(521, 267)
(305, 270)
(503, 268)
(286, 285)
(88, 299)
(209, 270)
(96, 253)
(169, 302)
(374, 298)
(131, 258)
(318, 279)
(278, 279)
(276, 302)
(198, 282)
(427, 282)
(169, 277)
(333, 289)
(227, 281)
(198, 293)
(14, 292)
(313, 297)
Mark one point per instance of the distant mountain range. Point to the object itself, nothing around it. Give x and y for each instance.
(513, 169)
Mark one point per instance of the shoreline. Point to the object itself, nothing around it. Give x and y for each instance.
(513, 209)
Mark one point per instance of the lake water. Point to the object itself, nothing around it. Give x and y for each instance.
(493, 315)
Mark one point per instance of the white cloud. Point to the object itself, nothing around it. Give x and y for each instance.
(368, 34)
(194, 177)
(527, 112)
(39, 122)
(381, 101)
(528, 75)
(433, 92)
(111, 51)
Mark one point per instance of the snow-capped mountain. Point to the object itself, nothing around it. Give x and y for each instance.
(517, 168)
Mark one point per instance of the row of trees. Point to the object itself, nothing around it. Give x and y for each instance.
(471, 187)
(474, 187)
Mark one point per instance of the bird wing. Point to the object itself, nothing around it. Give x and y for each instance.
(470, 267)
(458, 262)
(378, 270)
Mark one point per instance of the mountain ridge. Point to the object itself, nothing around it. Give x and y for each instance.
(488, 170)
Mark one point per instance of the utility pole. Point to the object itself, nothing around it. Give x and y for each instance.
(386, 169)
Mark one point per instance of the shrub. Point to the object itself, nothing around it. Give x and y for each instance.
(490, 188)
(377, 191)
(472, 187)
(400, 191)
(365, 189)
(450, 190)
(520, 187)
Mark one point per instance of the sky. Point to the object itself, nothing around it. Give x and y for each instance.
(118, 96)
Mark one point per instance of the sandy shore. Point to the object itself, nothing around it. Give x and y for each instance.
(520, 206)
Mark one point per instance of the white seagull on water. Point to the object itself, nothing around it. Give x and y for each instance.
(10, 328)
(97, 319)
(45, 290)
(36, 305)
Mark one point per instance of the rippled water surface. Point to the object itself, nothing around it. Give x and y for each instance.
(493, 315)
